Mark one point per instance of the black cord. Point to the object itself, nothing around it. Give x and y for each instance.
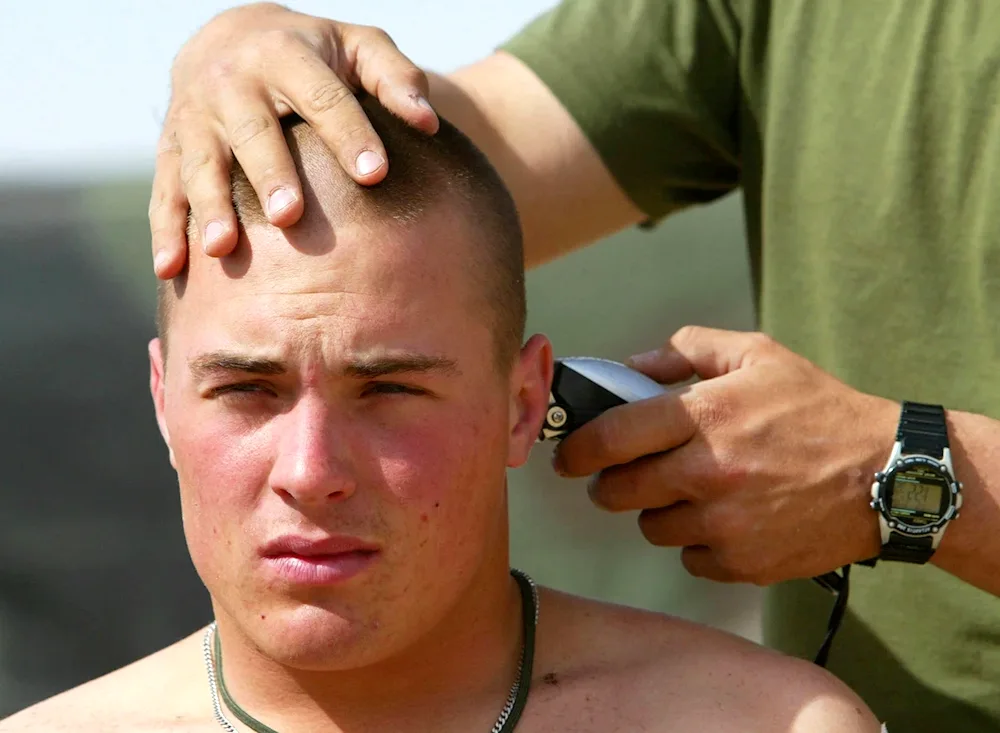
(839, 585)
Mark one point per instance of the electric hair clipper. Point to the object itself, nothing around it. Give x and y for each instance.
(583, 387)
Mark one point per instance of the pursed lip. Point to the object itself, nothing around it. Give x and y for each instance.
(328, 546)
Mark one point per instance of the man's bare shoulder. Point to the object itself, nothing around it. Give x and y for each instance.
(612, 664)
(156, 693)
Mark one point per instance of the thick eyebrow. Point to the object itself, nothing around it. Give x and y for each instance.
(224, 361)
(382, 366)
(364, 368)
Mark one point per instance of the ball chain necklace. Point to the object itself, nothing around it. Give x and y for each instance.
(509, 716)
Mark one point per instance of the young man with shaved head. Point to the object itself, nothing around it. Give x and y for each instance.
(341, 401)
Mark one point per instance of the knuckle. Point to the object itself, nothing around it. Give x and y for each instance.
(412, 76)
(611, 490)
(326, 96)
(263, 174)
(354, 138)
(164, 202)
(751, 568)
(710, 412)
(156, 209)
(727, 470)
(194, 163)
(168, 145)
(726, 527)
(375, 34)
(220, 72)
(733, 567)
(165, 230)
(167, 226)
(688, 333)
(176, 121)
(761, 340)
(249, 130)
(273, 42)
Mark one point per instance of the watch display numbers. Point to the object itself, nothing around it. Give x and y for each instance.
(918, 492)
(917, 497)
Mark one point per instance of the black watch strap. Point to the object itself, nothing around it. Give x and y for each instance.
(922, 429)
(916, 550)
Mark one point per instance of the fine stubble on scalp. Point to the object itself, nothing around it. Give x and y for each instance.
(425, 172)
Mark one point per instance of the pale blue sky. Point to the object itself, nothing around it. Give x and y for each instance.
(83, 85)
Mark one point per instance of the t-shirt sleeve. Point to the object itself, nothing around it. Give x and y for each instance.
(654, 85)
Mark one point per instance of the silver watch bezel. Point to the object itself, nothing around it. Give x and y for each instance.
(889, 523)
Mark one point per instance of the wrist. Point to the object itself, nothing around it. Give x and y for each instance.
(882, 422)
(880, 438)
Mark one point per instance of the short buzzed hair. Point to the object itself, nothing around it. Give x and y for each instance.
(425, 171)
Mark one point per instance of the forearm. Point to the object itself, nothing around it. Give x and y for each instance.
(970, 549)
(565, 195)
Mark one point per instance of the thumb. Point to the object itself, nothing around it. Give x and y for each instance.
(697, 351)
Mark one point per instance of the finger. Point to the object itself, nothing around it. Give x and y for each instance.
(698, 351)
(625, 433)
(701, 562)
(260, 146)
(168, 211)
(651, 482)
(399, 84)
(321, 98)
(680, 525)
(205, 176)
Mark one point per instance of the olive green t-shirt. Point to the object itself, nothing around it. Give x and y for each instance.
(865, 135)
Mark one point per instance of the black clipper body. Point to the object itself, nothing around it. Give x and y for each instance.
(583, 387)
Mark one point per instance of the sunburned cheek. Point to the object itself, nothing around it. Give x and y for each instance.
(219, 466)
(429, 467)
(219, 478)
(451, 489)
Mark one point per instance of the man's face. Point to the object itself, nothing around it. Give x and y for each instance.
(341, 434)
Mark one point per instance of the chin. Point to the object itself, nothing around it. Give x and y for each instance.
(317, 639)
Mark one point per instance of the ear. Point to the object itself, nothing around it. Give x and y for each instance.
(157, 387)
(531, 382)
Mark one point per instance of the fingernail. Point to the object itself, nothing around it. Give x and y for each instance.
(279, 200)
(369, 162)
(160, 260)
(646, 358)
(213, 230)
(422, 102)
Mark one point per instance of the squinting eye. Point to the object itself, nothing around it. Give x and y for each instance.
(391, 388)
(243, 388)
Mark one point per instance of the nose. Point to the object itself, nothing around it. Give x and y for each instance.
(314, 464)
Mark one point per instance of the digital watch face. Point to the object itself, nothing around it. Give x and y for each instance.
(919, 493)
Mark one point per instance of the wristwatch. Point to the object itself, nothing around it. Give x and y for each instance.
(916, 494)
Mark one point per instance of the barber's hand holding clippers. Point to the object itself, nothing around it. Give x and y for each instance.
(761, 470)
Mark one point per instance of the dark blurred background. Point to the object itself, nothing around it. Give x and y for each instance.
(94, 572)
